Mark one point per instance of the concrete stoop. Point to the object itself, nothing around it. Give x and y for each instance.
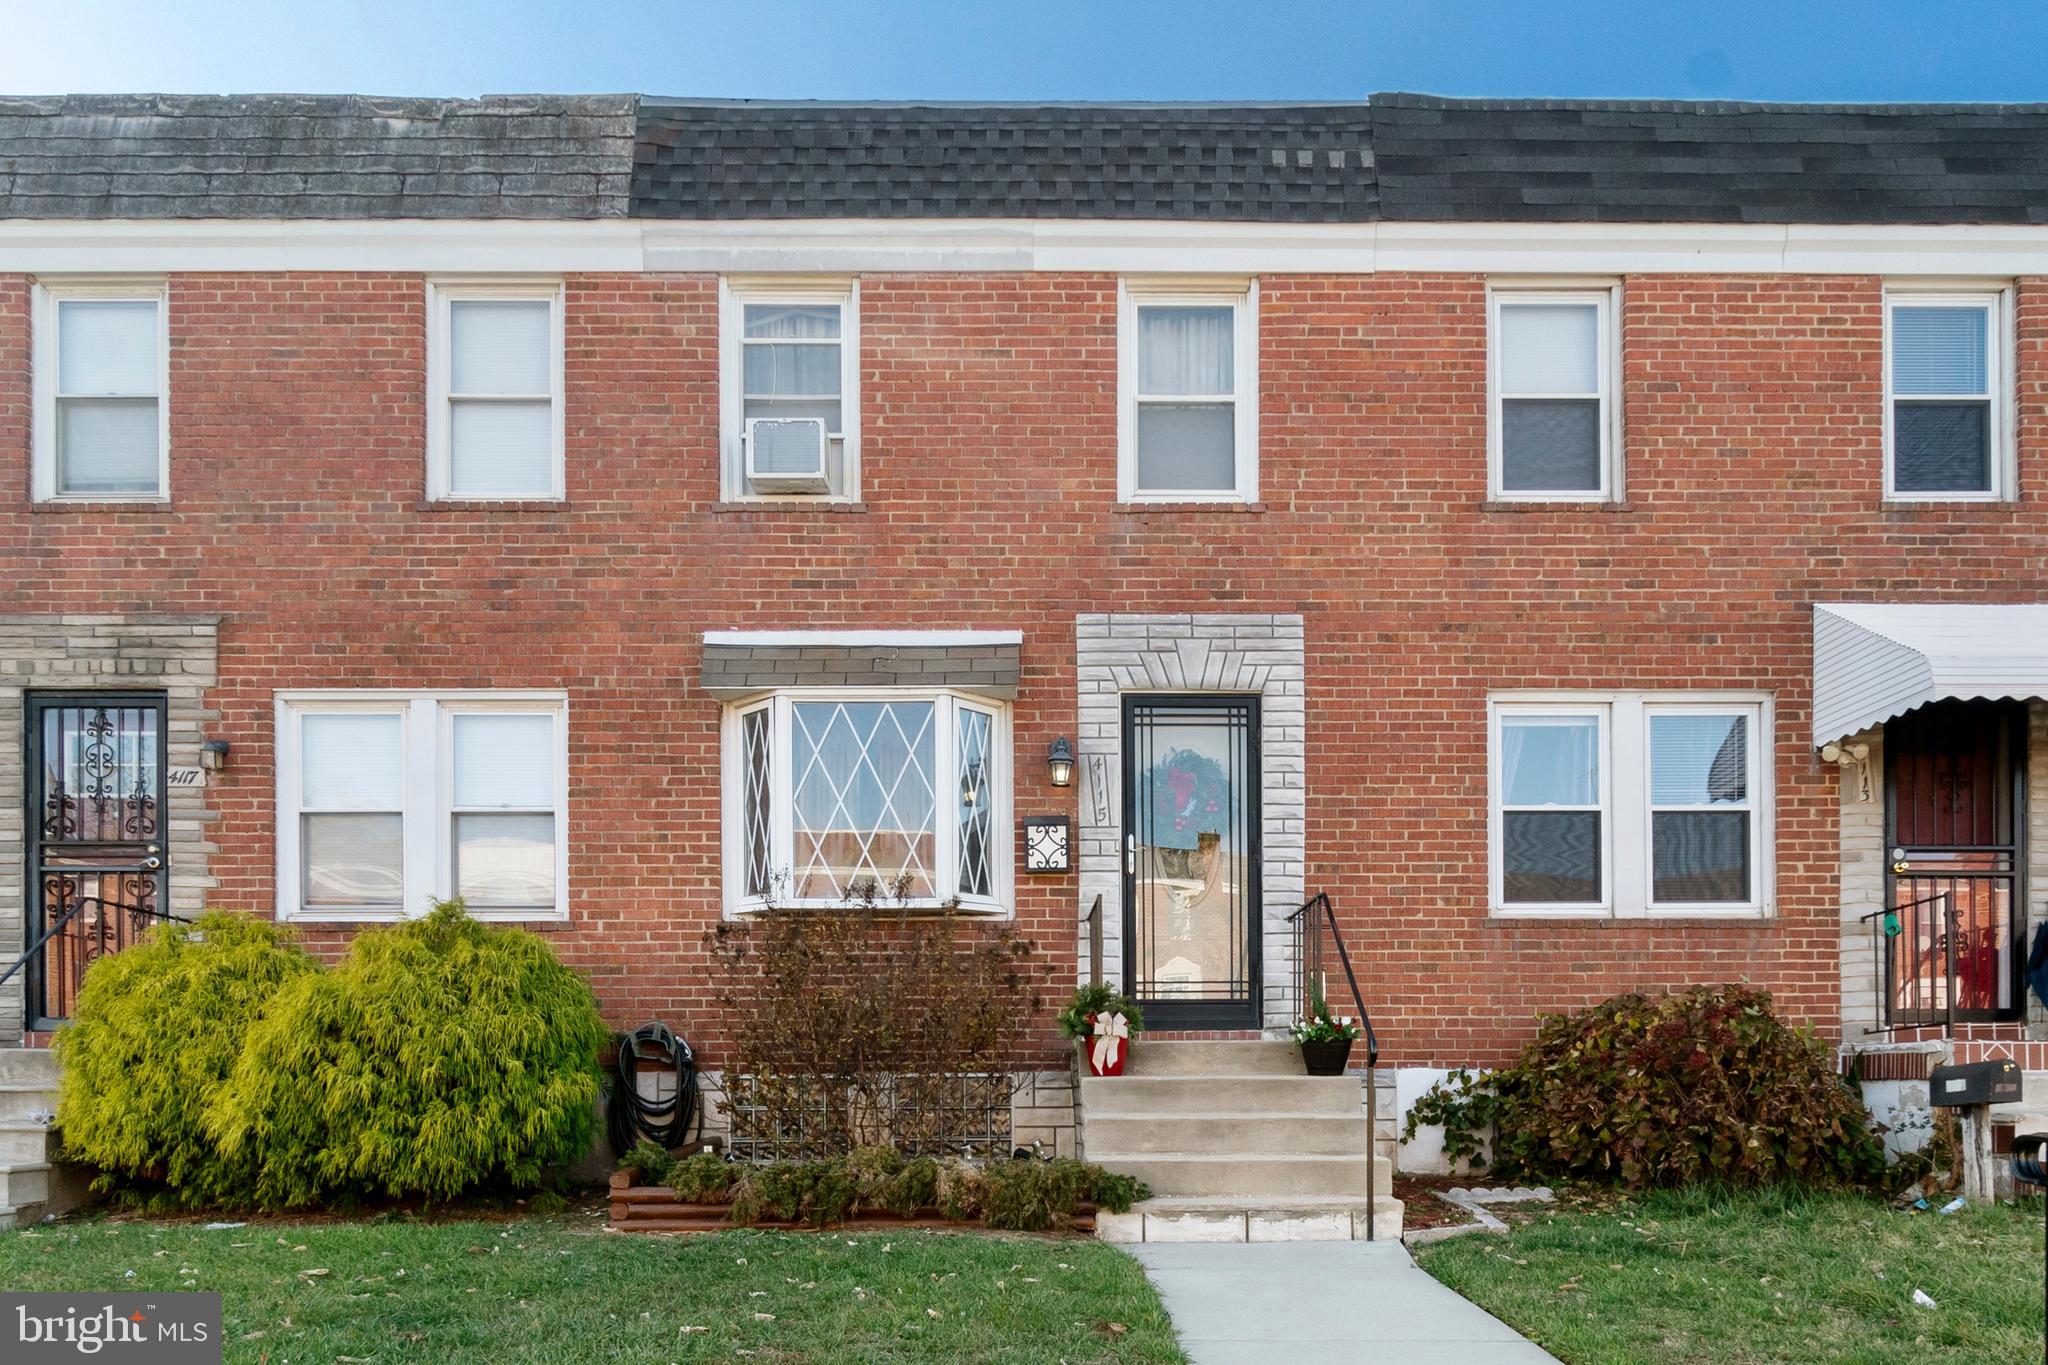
(1238, 1144)
(32, 1183)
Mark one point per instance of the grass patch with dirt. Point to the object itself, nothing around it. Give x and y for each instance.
(560, 1290)
(1777, 1276)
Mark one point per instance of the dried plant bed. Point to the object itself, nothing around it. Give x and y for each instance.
(657, 1208)
(867, 1185)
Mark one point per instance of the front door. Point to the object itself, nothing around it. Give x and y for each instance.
(1191, 859)
(96, 835)
(1954, 814)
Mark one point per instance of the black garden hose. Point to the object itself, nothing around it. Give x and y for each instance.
(630, 1115)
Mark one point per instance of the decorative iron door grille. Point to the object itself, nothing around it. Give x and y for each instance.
(96, 836)
(1191, 859)
(1955, 793)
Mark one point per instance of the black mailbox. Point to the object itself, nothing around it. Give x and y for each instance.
(1953, 1087)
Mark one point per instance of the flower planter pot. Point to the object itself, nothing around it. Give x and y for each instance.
(1114, 1066)
(1326, 1059)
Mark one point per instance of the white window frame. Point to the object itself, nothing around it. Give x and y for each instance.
(734, 294)
(1242, 297)
(427, 773)
(1625, 829)
(946, 842)
(1997, 303)
(45, 314)
(1606, 297)
(1752, 806)
(441, 296)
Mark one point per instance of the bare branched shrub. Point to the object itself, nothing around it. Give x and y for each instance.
(871, 1025)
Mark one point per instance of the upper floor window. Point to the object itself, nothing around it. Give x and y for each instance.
(388, 802)
(1629, 804)
(791, 379)
(494, 416)
(1555, 422)
(1188, 372)
(102, 420)
(832, 791)
(1944, 400)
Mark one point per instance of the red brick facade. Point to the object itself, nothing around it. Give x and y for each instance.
(1753, 465)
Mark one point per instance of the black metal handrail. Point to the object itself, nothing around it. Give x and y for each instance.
(78, 907)
(1312, 924)
(1882, 961)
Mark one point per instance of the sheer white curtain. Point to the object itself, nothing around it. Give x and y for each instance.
(1185, 351)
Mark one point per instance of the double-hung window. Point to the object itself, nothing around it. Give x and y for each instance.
(388, 802)
(102, 423)
(494, 418)
(1946, 415)
(1629, 804)
(1189, 379)
(791, 383)
(1555, 422)
(833, 795)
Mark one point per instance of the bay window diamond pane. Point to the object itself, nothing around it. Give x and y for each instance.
(863, 801)
(755, 802)
(977, 803)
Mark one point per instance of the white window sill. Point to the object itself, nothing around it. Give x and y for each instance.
(104, 500)
(376, 917)
(922, 910)
(1917, 499)
(1633, 915)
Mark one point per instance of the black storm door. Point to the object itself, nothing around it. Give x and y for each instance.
(1191, 859)
(96, 835)
(1955, 784)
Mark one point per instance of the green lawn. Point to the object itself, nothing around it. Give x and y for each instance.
(561, 1290)
(1732, 1279)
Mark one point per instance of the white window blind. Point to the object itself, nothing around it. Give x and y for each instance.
(108, 396)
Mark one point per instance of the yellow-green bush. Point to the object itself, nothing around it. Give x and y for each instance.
(439, 1057)
(154, 1037)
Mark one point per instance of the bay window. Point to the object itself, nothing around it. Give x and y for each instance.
(388, 802)
(830, 793)
(1629, 804)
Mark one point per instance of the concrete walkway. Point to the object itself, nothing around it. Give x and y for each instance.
(1322, 1303)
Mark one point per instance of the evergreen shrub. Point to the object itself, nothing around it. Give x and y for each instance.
(152, 1041)
(439, 1057)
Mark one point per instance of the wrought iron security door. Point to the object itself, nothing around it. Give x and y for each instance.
(1191, 859)
(97, 826)
(1955, 792)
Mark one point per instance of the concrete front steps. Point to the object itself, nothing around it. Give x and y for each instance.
(1238, 1144)
(32, 1184)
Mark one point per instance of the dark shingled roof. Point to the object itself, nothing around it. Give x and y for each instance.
(315, 156)
(1400, 158)
(1248, 163)
(1666, 161)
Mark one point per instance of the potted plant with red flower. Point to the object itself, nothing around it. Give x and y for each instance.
(1325, 1038)
(1104, 1023)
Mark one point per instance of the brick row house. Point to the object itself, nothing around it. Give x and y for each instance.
(1598, 545)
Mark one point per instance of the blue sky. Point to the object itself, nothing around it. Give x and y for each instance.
(1036, 49)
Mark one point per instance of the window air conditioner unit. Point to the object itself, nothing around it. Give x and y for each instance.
(786, 454)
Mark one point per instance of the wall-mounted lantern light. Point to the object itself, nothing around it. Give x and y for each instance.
(213, 754)
(1059, 762)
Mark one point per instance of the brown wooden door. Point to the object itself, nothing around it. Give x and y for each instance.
(1954, 822)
